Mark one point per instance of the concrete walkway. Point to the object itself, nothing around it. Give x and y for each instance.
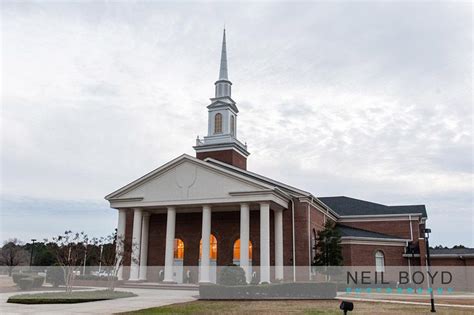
(146, 298)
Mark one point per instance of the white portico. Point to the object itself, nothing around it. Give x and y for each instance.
(187, 185)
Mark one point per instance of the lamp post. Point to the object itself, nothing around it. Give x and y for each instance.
(428, 265)
(33, 240)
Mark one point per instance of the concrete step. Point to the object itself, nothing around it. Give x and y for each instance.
(159, 286)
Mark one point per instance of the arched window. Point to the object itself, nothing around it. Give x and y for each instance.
(379, 261)
(232, 125)
(178, 249)
(213, 248)
(237, 250)
(218, 123)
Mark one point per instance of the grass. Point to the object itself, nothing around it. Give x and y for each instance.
(312, 307)
(67, 298)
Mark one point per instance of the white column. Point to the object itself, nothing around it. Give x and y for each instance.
(144, 246)
(265, 242)
(136, 238)
(169, 255)
(122, 219)
(206, 236)
(244, 239)
(278, 216)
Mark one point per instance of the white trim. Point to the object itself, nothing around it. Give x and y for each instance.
(374, 239)
(264, 197)
(380, 217)
(362, 242)
(317, 207)
(411, 228)
(460, 256)
(309, 241)
(276, 183)
(222, 147)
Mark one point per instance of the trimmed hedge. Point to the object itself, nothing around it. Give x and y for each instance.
(291, 290)
(17, 276)
(27, 281)
(94, 278)
(68, 298)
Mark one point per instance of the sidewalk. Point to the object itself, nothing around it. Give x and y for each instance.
(146, 298)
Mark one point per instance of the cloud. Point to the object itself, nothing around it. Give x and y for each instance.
(361, 99)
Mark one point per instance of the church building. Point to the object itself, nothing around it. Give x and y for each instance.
(209, 211)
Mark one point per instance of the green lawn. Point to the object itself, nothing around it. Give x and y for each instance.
(66, 298)
(326, 307)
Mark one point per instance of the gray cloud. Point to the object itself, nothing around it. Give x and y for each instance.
(371, 100)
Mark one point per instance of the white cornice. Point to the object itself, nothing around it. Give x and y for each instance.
(380, 217)
(373, 241)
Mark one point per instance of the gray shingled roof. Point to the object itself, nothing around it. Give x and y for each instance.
(452, 251)
(341, 205)
(354, 232)
(350, 206)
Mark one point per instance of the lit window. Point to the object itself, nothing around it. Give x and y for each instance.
(237, 250)
(379, 261)
(218, 123)
(178, 249)
(232, 125)
(212, 249)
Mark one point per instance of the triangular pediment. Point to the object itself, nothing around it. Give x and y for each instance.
(186, 178)
(223, 102)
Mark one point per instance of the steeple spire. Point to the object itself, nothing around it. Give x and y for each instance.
(223, 69)
(223, 85)
(221, 142)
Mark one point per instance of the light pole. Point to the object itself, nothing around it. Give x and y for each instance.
(428, 265)
(33, 240)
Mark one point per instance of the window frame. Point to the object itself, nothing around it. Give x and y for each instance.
(218, 123)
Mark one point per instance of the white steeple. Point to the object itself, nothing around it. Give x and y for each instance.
(223, 85)
(222, 114)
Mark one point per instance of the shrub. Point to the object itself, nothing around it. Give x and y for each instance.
(25, 283)
(298, 290)
(37, 281)
(232, 275)
(17, 276)
(55, 276)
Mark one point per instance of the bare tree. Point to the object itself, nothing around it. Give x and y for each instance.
(114, 250)
(13, 254)
(69, 252)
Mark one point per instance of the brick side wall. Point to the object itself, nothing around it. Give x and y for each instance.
(227, 156)
(364, 255)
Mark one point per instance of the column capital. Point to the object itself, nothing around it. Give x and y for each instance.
(207, 206)
(245, 204)
(137, 209)
(264, 203)
(171, 208)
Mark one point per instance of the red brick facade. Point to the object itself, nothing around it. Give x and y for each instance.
(227, 156)
(225, 227)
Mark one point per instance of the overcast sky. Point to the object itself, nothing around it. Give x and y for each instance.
(368, 100)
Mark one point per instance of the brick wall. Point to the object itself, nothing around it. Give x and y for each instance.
(364, 255)
(227, 156)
